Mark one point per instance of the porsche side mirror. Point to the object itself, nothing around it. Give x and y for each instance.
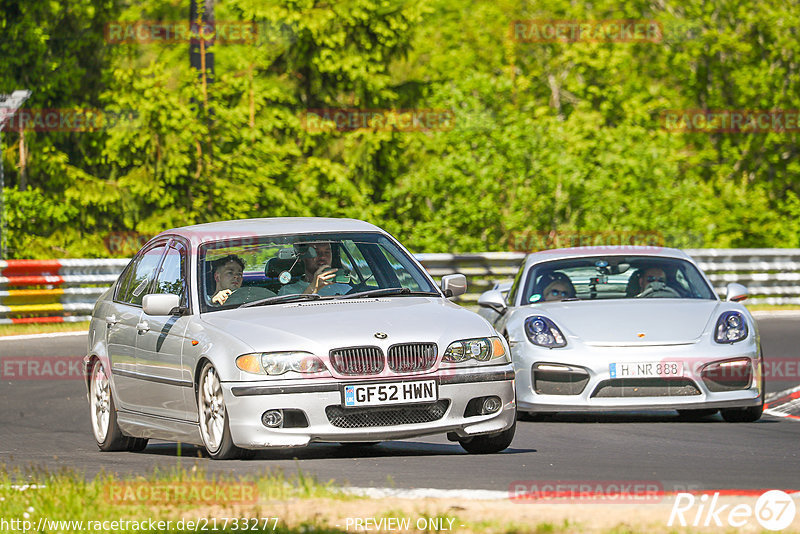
(454, 285)
(161, 304)
(735, 292)
(493, 299)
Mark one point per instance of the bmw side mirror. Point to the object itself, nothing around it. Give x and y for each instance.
(493, 299)
(735, 292)
(161, 304)
(454, 285)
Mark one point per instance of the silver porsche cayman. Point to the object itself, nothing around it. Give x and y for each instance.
(628, 328)
(265, 333)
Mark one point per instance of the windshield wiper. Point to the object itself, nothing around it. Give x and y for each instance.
(386, 291)
(282, 298)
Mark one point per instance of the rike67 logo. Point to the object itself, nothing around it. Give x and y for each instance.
(774, 510)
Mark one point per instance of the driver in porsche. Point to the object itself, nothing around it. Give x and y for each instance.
(653, 283)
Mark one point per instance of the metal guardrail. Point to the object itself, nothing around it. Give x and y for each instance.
(54, 291)
(66, 290)
(771, 275)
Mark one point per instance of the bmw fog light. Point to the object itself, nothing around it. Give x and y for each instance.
(491, 405)
(272, 418)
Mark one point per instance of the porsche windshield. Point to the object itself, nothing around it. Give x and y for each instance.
(614, 277)
(274, 269)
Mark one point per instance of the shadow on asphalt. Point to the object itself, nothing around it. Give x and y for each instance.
(327, 451)
(635, 417)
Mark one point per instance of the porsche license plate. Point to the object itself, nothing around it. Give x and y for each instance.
(660, 369)
(390, 393)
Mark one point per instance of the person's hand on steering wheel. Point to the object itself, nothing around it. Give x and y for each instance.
(655, 289)
(222, 296)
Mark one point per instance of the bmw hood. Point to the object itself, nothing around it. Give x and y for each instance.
(318, 326)
(632, 322)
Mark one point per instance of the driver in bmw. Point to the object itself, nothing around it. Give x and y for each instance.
(228, 277)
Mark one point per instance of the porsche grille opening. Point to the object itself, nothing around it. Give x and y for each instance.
(646, 387)
(367, 417)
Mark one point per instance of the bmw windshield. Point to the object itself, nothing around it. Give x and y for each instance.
(264, 270)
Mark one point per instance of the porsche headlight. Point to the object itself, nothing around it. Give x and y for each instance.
(731, 327)
(544, 332)
(483, 350)
(278, 363)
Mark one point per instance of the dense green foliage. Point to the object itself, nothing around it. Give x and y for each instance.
(560, 137)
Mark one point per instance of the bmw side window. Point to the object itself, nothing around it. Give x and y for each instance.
(403, 276)
(360, 265)
(143, 275)
(171, 277)
(125, 279)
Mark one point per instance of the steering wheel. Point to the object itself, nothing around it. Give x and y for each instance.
(658, 290)
(248, 294)
(358, 288)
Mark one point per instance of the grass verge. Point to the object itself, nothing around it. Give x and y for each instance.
(191, 500)
(43, 328)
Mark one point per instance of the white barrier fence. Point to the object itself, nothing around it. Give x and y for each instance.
(65, 290)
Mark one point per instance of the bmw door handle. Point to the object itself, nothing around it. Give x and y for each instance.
(142, 327)
(112, 320)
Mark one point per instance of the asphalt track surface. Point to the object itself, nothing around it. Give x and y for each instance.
(46, 423)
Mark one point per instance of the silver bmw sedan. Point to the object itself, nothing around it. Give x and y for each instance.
(270, 333)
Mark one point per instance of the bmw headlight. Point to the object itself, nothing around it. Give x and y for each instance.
(482, 350)
(278, 363)
(731, 327)
(544, 332)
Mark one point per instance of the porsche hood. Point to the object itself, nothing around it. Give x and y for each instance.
(632, 322)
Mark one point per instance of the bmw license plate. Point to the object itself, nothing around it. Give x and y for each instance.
(390, 393)
(660, 369)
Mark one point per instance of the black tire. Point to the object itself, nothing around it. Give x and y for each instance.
(695, 415)
(491, 443)
(750, 414)
(225, 450)
(534, 416)
(114, 439)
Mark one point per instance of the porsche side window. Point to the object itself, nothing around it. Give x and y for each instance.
(511, 298)
(143, 275)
